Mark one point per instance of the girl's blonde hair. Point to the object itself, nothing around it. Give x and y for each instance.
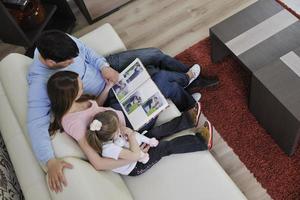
(110, 124)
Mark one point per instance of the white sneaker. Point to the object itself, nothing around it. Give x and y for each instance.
(196, 96)
(195, 69)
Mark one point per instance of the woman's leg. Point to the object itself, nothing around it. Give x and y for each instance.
(183, 144)
(186, 120)
(148, 56)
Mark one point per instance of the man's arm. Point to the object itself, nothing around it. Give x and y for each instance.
(38, 121)
(97, 61)
(91, 57)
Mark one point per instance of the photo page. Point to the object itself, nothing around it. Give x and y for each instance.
(140, 98)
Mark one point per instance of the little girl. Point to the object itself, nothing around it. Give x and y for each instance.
(73, 112)
(105, 129)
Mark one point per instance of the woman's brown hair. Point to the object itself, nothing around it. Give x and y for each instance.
(62, 88)
(110, 124)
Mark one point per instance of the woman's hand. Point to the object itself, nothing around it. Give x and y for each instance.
(103, 95)
(56, 175)
(109, 85)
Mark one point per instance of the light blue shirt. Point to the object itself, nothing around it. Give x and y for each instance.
(87, 64)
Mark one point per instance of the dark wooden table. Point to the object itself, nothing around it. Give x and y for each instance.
(275, 99)
(258, 36)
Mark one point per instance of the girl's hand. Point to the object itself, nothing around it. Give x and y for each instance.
(145, 147)
(127, 131)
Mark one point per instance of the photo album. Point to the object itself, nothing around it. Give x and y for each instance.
(140, 98)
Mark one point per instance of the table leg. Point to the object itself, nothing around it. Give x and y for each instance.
(218, 49)
(274, 117)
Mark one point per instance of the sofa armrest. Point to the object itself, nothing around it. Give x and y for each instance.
(84, 182)
(104, 40)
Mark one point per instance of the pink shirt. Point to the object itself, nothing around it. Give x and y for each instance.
(75, 124)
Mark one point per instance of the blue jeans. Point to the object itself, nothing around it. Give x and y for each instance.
(183, 144)
(167, 72)
(171, 85)
(153, 59)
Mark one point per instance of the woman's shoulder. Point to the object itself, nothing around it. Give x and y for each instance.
(74, 125)
(71, 118)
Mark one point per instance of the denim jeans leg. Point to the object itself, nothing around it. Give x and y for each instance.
(172, 90)
(149, 57)
(181, 78)
(176, 125)
(183, 144)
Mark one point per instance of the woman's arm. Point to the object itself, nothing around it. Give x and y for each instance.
(98, 162)
(103, 96)
(134, 151)
(133, 144)
(130, 155)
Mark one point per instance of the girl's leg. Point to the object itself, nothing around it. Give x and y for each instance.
(183, 144)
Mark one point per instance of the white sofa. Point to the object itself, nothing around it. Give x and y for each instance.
(190, 176)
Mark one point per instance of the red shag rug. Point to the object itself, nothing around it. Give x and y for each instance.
(227, 108)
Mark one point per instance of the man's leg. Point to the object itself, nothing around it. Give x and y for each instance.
(154, 59)
(174, 89)
(149, 57)
(183, 144)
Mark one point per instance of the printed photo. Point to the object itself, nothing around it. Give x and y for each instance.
(133, 103)
(152, 104)
(133, 72)
(121, 89)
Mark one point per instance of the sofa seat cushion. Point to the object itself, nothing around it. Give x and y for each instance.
(190, 176)
(84, 182)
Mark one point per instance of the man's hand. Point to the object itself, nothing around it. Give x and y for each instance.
(110, 74)
(55, 174)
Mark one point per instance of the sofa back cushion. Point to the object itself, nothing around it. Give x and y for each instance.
(103, 40)
(65, 146)
(13, 72)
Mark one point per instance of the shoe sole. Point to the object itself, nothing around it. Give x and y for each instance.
(198, 114)
(208, 125)
(209, 87)
(194, 78)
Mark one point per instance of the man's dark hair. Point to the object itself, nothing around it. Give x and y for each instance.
(57, 46)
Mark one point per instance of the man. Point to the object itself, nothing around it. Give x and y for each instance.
(59, 51)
